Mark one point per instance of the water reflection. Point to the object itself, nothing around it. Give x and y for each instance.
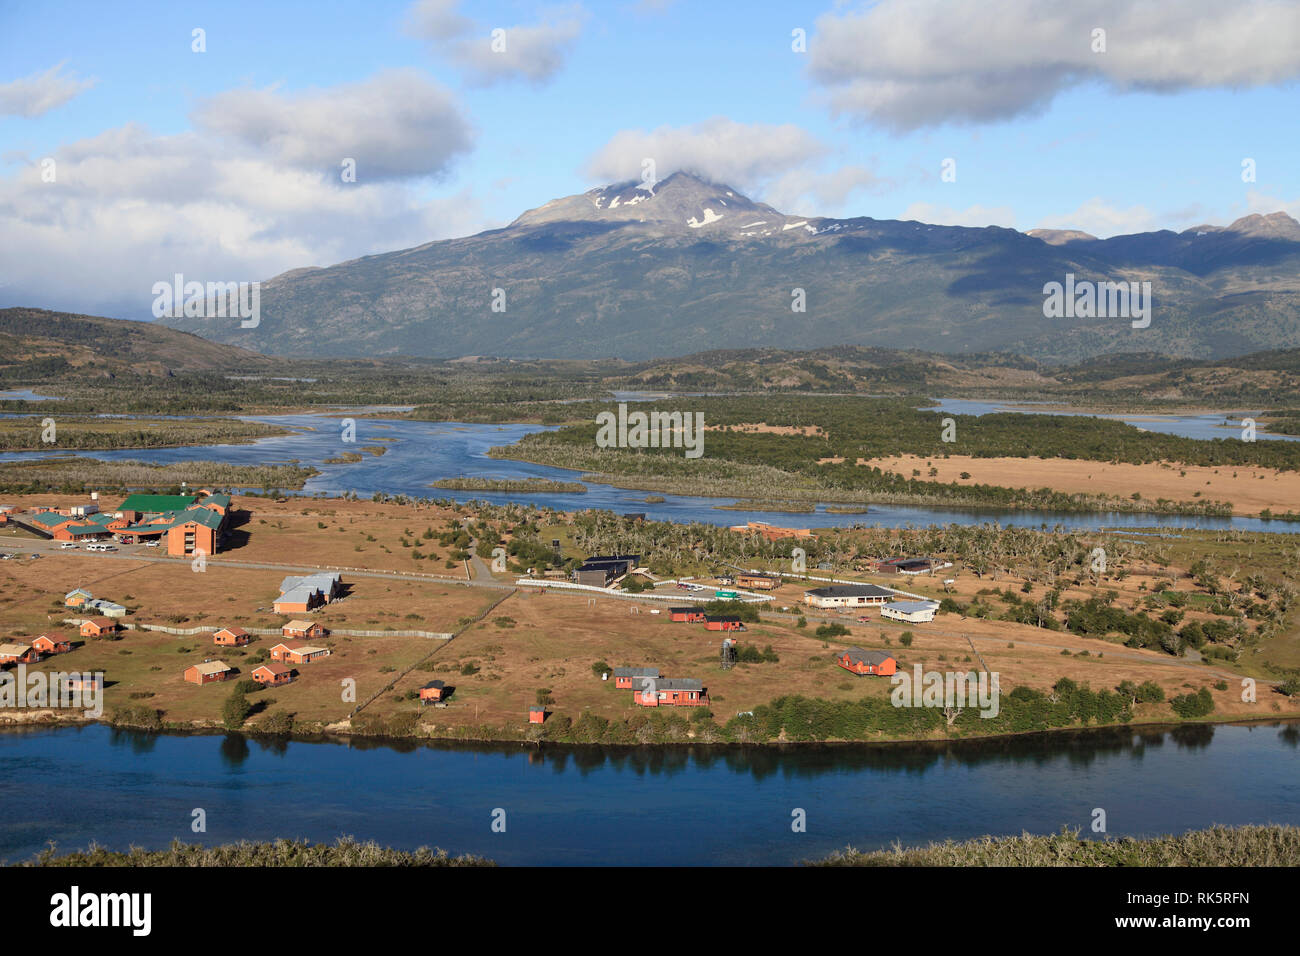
(1075, 748)
(679, 805)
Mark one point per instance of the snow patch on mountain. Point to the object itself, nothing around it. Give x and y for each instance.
(709, 217)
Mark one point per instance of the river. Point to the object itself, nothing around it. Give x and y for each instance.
(648, 806)
(420, 453)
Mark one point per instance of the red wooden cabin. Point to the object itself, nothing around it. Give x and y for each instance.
(862, 662)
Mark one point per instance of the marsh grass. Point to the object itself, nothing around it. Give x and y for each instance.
(1216, 846)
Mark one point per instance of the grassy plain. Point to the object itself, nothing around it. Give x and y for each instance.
(1249, 489)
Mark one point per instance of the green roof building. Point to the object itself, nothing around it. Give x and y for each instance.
(157, 504)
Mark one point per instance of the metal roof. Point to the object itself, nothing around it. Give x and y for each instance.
(911, 607)
(857, 654)
(852, 590)
(679, 683)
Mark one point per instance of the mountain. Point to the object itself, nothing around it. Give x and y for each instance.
(40, 343)
(687, 265)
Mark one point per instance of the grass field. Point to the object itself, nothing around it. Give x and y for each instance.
(532, 642)
(1249, 489)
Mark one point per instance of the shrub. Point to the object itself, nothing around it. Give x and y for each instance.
(279, 722)
(235, 710)
(1193, 705)
(1149, 692)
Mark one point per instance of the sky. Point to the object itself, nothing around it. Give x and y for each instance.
(233, 141)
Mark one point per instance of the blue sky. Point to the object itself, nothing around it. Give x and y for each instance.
(206, 157)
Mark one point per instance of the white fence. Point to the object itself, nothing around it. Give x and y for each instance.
(748, 596)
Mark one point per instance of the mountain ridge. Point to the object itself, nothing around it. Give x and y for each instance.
(638, 270)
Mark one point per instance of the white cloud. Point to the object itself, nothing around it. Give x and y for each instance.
(535, 52)
(818, 193)
(1101, 219)
(743, 155)
(395, 124)
(1257, 202)
(977, 215)
(39, 93)
(128, 207)
(906, 64)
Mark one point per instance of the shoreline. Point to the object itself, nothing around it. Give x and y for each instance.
(48, 719)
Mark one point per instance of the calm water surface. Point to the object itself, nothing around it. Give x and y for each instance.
(690, 806)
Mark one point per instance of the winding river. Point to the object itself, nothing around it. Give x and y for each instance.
(420, 453)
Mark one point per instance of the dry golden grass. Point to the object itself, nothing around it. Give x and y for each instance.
(1250, 490)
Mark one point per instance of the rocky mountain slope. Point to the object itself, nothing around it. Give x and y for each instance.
(686, 265)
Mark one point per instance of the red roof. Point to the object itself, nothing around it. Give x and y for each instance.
(276, 669)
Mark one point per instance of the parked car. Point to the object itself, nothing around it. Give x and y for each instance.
(152, 543)
(68, 546)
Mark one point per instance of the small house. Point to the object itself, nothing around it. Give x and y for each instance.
(305, 630)
(52, 643)
(536, 715)
(208, 672)
(231, 637)
(630, 677)
(293, 652)
(98, 627)
(672, 692)
(432, 692)
(76, 597)
(847, 595)
(723, 622)
(103, 608)
(861, 662)
(913, 612)
(758, 582)
(908, 565)
(19, 654)
(273, 675)
(691, 615)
